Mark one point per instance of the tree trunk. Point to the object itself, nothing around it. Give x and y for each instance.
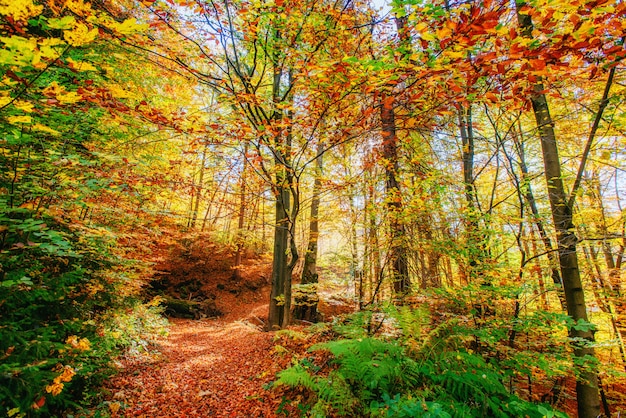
(587, 392)
(241, 216)
(199, 188)
(529, 197)
(475, 237)
(285, 249)
(399, 269)
(278, 302)
(307, 299)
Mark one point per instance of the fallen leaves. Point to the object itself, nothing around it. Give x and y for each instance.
(208, 368)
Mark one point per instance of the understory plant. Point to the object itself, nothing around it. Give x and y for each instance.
(393, 362)
(62, 308)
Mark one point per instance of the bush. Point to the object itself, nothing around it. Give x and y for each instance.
(58, 310)
(374, 376)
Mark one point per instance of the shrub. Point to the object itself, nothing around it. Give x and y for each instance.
(374, 376)
(57, 304)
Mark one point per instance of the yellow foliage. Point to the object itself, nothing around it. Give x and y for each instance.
(14, 120)
(42, 128)
(4, 100)
(53, 89)
(83, 344)
(18, 50)
(69, 98)
(119, 92)
(80, 35)
(54, 388)
(57, 384)
(81, 65)
(19, 9)
(47, 50)
(128, 27)
(63, 96)
(79, 7)
(24, 106)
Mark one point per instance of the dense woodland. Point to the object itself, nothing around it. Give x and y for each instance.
(428, 196)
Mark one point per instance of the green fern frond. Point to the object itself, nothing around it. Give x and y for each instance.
(296, 376)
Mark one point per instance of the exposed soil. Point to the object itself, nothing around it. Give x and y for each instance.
(194, 269)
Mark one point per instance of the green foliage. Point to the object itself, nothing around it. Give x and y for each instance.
(55, 296)
(137, 328)
(398, 377)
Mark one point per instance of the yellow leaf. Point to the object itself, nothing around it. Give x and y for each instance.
(129, 26)
(53, 89)
(18, 50)
(69, 98)
(79, 7)
(24, 106)
(54, 388)
(43, 128)
(443, 33)
(119, 92)
(66, 22)
(454, 54)
(80, 35)
(13, 411)
(5, 100)
(14, 120)
(19, 9)
(427, 36)
(81, 65)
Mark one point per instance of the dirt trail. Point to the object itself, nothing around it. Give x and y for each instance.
(207, 368)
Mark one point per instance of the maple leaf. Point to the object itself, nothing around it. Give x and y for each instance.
(19, 10)
(14, 120)
(80, 35)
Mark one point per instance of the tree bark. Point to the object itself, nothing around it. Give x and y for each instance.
(476, 251)
(399, 269)
(241, 216)
(278, 301)
(306, 304)
(587, 392)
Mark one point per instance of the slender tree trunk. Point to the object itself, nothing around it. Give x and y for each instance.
(587, 392)
(306, 307)
(475, 236)
(374, 272)
(529, 197)
(241, 216)
(399, 270)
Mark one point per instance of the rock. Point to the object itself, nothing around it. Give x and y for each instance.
(191, 309)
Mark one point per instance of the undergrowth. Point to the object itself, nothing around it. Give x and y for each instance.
(65, 313)
(394, 362)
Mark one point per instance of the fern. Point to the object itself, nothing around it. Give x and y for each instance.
(372, 368)
(404, 377)
(296, 376)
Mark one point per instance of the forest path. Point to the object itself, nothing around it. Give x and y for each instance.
(206, 368)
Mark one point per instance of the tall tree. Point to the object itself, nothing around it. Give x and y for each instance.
(582, 334)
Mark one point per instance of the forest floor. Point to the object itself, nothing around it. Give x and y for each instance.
(217, 365)
(205, 368)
